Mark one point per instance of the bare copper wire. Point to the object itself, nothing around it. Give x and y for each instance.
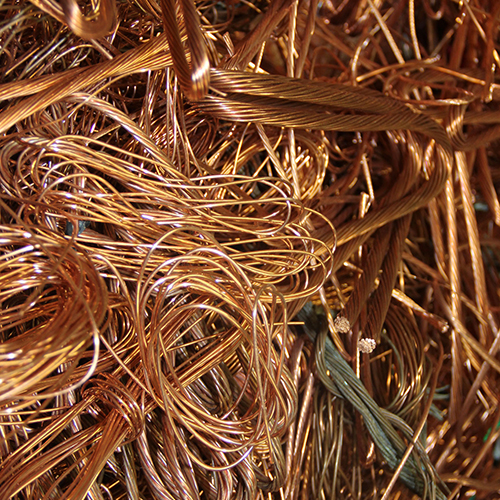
(179, 179)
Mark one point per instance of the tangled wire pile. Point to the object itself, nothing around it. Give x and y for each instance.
(249, 249)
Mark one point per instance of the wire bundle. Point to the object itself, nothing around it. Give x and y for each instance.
(179, 180)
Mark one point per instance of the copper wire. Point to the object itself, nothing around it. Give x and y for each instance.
(191, 192)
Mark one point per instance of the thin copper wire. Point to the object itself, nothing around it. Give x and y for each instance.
(96, 25)
(179, 180)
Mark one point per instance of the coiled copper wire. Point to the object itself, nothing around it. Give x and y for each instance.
(179, 179)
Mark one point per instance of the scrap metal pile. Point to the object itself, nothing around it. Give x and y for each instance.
(249, 249)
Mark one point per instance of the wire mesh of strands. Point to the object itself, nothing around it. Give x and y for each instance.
(179, 179)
